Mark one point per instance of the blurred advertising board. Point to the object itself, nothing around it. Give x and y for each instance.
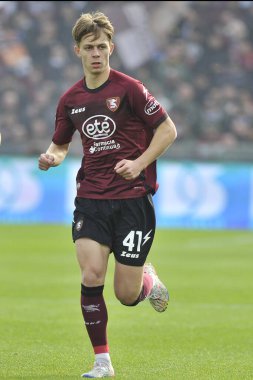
(205, 195)
(190, 194)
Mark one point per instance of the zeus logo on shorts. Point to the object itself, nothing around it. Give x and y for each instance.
(131, 255)
(99, 127)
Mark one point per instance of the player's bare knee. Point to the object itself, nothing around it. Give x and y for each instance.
(92, 277)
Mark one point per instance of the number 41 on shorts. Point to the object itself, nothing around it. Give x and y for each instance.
(136, 237)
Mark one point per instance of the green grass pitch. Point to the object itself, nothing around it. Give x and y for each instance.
(206, 332)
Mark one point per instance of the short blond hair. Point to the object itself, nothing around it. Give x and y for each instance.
(92, 23)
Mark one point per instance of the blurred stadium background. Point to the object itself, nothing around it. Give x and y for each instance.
(197, 59)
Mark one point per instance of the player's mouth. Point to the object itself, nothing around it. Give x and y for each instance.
(96, 65)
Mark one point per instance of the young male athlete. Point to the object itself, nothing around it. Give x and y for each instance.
(123, 130)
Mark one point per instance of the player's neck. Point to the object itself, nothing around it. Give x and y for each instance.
(96, 80)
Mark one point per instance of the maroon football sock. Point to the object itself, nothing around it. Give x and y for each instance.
(95, 317)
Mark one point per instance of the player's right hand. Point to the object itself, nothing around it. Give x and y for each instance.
(46, 161)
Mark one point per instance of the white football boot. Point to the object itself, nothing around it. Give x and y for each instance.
(102, 368)
(159, 296)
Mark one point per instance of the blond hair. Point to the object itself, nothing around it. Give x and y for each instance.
(92, 23)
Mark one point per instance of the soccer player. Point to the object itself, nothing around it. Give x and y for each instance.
(123, 130)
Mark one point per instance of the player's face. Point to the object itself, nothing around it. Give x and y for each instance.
(94, 53)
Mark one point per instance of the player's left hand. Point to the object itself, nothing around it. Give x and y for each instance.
(128, 169)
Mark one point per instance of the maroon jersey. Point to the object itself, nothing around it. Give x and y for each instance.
(116, 121)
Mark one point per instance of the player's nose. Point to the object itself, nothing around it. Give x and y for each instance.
(95, 52)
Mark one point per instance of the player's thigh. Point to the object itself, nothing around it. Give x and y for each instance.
(91, 233)
(93, 259)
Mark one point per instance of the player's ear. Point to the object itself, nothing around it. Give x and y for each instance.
(77, 50)
(111, 48)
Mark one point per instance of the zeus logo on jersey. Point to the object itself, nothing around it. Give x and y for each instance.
(152, 106)
(77, 110)
(99, 127)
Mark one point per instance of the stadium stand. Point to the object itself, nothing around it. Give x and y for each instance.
(197, 57)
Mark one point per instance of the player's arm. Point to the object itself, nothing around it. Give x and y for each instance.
(53, 156)
(164, 136)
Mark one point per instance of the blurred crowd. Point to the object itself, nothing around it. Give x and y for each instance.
(195, 57)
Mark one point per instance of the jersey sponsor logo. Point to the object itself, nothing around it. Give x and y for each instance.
(77, 110)
(104, 145)
(99, 127)
(152, 106)
(113, 103)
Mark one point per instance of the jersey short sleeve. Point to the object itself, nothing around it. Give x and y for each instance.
(64, 129)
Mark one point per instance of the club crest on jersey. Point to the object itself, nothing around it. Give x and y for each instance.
(113, 103)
